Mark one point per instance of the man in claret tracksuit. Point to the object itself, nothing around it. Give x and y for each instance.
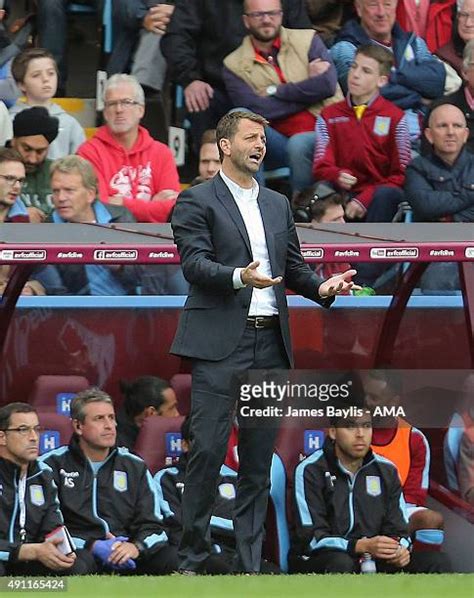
(107, 494)
(134, 170)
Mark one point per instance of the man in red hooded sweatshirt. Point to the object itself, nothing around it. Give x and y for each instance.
(134, 170)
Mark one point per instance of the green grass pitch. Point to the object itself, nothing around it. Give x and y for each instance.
(264, 586)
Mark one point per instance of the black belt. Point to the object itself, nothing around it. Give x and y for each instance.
(263, 321)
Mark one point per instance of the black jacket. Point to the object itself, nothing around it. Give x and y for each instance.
(436, 189)
(120, 498)
(333, 512)
(42, 507)
(202, 32)
(170, 485)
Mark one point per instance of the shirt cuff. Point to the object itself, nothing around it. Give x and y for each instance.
(237, 280)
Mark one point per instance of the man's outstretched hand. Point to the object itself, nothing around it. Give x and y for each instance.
(252, 277)
(341, 283)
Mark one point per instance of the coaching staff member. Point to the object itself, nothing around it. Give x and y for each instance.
(237, 244)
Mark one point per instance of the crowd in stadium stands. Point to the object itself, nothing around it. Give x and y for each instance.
(369, 106)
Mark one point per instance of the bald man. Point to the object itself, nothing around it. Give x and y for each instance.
(439, 186)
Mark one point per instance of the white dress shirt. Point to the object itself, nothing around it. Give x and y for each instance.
(263, 302)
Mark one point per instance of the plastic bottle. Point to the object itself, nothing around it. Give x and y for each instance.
(367, 563)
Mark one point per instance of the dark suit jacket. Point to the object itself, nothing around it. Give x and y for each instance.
(212, 240)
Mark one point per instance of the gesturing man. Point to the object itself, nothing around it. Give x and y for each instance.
(237, 243)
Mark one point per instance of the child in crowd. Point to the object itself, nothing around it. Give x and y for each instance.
(362, 142)
(36, 74)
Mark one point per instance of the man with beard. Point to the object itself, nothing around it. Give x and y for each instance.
(287, 76)
(33, 131)
(236, 243)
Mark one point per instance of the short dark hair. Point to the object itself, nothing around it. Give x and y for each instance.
(21, 61)
(229, 123)
(380, 54)
(83, 398)
(307, 207)
(8, 410)
(8, 154)
(143, 392)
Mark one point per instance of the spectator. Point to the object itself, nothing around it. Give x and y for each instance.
(407, 447)
(463, 98)
(287, 76)
(36, 74)
(463, 32)
(144, 397)
(362, 142)
(328, 16)
(438, 186)
(138, 27)
(418, 76)
(12, 177)
(209, 161)
(321, 204)
(200, 35)
(29, 509)
(110, 504)
(74, 192)
(349, 502)
(10, 46)
(133, 169)
(34, 130)
(466, 465)
(51, 23)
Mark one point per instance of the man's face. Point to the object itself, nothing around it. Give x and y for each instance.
(209, 162)
(247, 148)
(466, 21)
(353, 440)
(263, 19)
(71, 198)
(120, 113)
(33, 149)
(12, 176)
(447, 132)
(364, 78)
(468, 74)
(377, 17)
(334, 214)
(99, 428)
(379, 393)
(20, 443)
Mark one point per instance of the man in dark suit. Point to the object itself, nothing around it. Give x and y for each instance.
(235, 319)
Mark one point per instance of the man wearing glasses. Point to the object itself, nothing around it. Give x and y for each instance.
(12, 177)
(29, 507)
(134, 170)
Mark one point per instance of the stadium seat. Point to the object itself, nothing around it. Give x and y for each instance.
(54, 392)
(57, 430)
(75, 8)
(159, 441)
(181, 384)
(452, 441)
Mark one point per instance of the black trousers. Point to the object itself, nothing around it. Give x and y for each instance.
(84, 565)
(336, 561)
(212, 410)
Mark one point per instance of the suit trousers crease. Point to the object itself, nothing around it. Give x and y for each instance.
(212, 411)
